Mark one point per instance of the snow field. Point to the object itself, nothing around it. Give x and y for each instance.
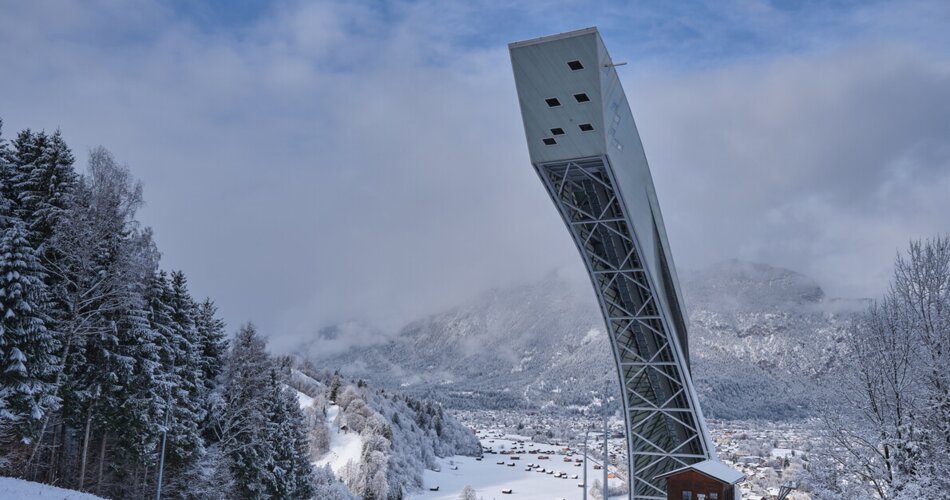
(18, 489)
(489, 479)
(304, 400)
(344, 446)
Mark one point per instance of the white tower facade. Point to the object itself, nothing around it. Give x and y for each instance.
(585, 147)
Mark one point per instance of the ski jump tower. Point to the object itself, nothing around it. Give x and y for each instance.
(585, 148)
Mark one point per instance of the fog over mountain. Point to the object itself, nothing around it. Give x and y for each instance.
(760, 339)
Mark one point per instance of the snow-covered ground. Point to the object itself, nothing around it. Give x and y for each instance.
(344, 446)
(304, 400)
(489, 479)
(19, 489)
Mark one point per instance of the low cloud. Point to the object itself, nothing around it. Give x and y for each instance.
(826, 165)
(329, 162)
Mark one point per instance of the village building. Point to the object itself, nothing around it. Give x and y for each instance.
(706, 480)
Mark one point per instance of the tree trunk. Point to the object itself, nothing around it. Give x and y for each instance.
(57, 384)
(85, 449)
(144, 486)
(60, 464)
(51, 473)
(102, 461)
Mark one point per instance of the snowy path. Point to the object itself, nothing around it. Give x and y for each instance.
(344, 446)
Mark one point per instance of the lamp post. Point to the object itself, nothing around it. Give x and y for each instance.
(161, 462)
(606, 458)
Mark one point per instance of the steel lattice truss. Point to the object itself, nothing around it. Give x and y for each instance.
(664, 429)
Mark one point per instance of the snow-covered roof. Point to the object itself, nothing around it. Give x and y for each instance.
(712, 468)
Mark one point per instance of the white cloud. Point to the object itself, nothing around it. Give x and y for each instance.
(329, 163)
(826, 164)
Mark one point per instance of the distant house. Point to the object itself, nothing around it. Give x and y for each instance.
(706, 480)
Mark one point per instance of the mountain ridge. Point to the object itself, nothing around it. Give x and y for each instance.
(760, 338)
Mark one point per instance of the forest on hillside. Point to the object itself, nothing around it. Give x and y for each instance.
(111, 369)
(116, 380)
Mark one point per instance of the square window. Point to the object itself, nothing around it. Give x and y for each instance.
(575, 65)
(549, 141)
(557, 131)
(552, 102)
(582, 97)
(687, 495)
(585, 127)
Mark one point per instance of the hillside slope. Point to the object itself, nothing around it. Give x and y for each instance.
(376, 442)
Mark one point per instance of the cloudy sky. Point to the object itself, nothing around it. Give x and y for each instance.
(307, 163)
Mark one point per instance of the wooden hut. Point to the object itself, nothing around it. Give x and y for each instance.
(706, 480)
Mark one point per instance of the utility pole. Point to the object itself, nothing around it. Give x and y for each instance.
(586, 433)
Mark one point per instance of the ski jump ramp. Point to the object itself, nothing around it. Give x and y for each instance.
(584, 145)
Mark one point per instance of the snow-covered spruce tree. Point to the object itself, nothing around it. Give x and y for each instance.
(181, 390)
(131, 425)
(44, 181)
(292, 472)
(335, 387)
(27, 359)
(37, 181)
(242, 419)
(6, 174)
(43, 207)
(162, 324)
(260, 425)
(213, 339)
(7, 169)
(189, 392)
(214, 350)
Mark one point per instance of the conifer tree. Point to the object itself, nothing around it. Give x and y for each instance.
(160, 323)
(214, 352)
(189, 390)
(44, 180)
(178, 411)
(244, 422)
(213, 340)
(292, 475)
(7, 165)
(27, 359)
(137, 394)
(99, 350)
